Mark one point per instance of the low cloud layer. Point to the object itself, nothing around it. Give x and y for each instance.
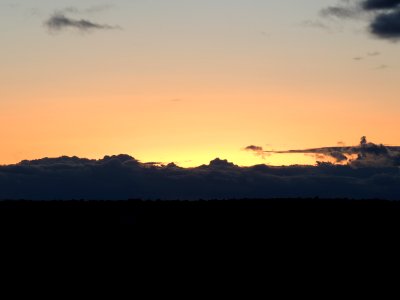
(123, 177)
(60, 21)
(383, 15)
(363, 155)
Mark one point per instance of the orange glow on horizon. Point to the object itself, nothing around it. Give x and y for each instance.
(189, 132)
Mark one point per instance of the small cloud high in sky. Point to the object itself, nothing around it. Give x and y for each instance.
(59, 22)
(267, 86)
(60, 19)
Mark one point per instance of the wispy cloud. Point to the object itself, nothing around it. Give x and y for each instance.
(257, 150)
(315, 24)
(381, 67)
(364, 154)
(88, 10)
(58, 22)
(341, 11)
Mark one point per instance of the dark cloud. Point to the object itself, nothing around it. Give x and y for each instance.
(383, 15)
(387, 25)
(373, 174)
(338, 153)
(59, 21)
(257, 150)
(366, 154)
(254, 148)
(380, 4)
(338, 156)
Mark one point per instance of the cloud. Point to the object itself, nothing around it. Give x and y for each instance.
(315, 24)
(337, 153)
(381, 67)
(59, 21)
(383, 15)
(92, 9)
(374, 173)
(387, 25)
(380, 4)
(98, 8)
(365, 154)
(340, 11)
(259, 151)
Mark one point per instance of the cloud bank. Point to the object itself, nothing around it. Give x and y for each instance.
(123, 177)
(363, 155)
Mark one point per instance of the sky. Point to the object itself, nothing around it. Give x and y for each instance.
(187, 81)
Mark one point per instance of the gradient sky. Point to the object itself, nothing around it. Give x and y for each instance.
(186, 81)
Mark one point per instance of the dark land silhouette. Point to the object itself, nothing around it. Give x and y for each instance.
(272, 214)
(293, 197)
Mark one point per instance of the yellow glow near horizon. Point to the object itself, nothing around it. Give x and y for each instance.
(191, 131)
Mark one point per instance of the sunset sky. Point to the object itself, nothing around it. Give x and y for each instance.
(187, 81)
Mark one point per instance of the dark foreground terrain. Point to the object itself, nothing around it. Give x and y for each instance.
(295, 214)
